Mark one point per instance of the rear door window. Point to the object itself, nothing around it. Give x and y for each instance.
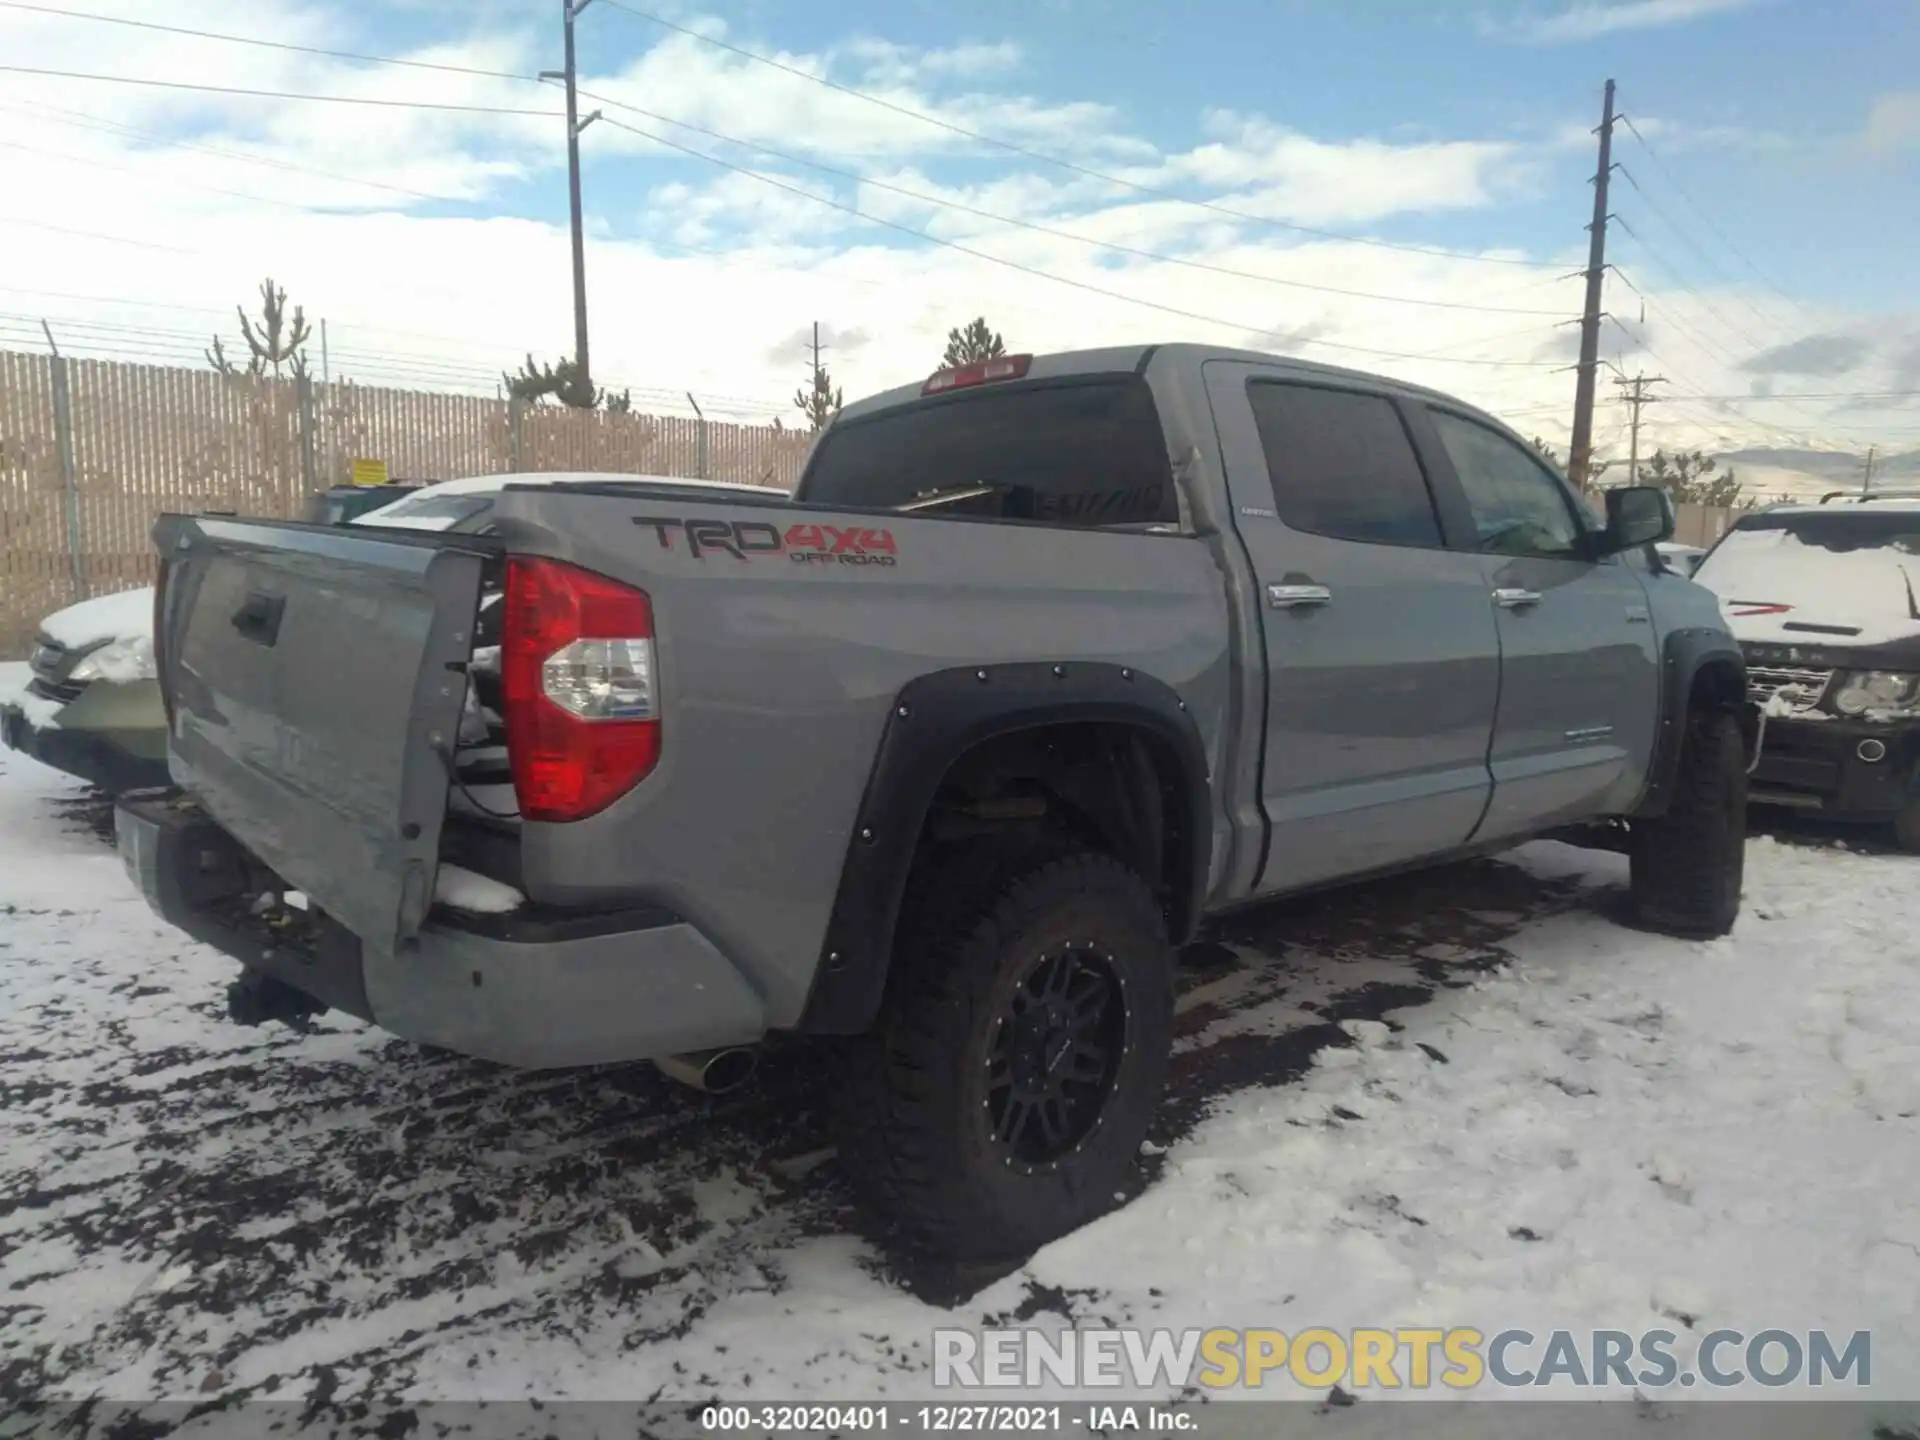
(1342, 465)
(1079, 454)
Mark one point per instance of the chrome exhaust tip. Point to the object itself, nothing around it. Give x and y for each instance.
(1871, 751)
(713, 1071)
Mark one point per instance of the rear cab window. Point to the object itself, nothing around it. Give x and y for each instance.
(1081, 453)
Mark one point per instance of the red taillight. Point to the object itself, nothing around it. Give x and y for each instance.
(577, 675)
(984, 372)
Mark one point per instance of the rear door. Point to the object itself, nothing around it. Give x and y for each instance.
(314, 679)
(1580, 679)
(1382, 654)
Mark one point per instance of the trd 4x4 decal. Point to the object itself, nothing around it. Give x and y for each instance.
(802, 544)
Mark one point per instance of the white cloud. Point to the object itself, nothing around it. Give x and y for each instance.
(1592, 20)
(892, 64)
(1321, 183)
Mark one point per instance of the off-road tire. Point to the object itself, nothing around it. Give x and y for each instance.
(915, 1120)
(1688, 864)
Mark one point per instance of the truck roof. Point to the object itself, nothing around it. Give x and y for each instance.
(1125, 359)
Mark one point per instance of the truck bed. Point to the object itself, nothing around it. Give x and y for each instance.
(783, 634)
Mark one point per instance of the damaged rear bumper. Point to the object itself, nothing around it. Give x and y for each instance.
(534, 989)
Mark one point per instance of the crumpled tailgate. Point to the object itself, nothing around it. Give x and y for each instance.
(314, 677)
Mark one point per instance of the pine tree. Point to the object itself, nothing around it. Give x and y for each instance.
(1690, 478)
(977, 342)
(278, 343)
(819, 399)
(534, 382)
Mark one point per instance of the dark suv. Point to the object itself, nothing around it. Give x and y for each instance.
(1825, 602)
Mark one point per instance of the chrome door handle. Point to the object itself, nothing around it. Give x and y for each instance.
(1297, 597)
(1516, 599)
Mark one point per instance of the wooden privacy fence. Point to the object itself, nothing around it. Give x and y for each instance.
(1702, 524)
(91, 451)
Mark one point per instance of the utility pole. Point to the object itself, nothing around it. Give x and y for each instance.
(1866, 480)
(1580, 452)
(570, 11)
(816, 354)
(1633, 390)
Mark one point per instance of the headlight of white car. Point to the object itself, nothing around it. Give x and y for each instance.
(1892, 694)
(119, 662)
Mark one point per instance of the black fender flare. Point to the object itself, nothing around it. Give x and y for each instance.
(1684, 655)
(931, 724)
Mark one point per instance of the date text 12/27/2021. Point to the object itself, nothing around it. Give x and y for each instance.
(1110, 1419)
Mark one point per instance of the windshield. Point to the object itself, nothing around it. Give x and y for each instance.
(1846, 573)
(1082, 453)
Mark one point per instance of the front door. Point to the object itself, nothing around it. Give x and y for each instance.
(1579, 676)
(1381, 651)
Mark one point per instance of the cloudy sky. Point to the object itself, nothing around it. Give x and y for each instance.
(1378, 183)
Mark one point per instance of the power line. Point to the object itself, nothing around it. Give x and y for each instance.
(95, 235)
(440, 105)
(1816, 395)
(168, 181)
(63, 116)
(1048, 275)
(22, 337)
(1705, 255)
(1687, 328)
(1686, 287)
(264, 44)
(80, 119)
(1119, 249)
(1693, 393)
(1738, 333)
(152, 340)
(1654, 155)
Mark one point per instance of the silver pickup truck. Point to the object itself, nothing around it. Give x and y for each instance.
(1045, 660)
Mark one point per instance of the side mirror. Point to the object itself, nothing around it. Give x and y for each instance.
(1637, 515)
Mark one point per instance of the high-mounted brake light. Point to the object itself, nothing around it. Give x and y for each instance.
(579, 688)
(982, 372)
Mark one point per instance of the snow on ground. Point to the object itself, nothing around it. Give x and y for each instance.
(1468, 1097)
